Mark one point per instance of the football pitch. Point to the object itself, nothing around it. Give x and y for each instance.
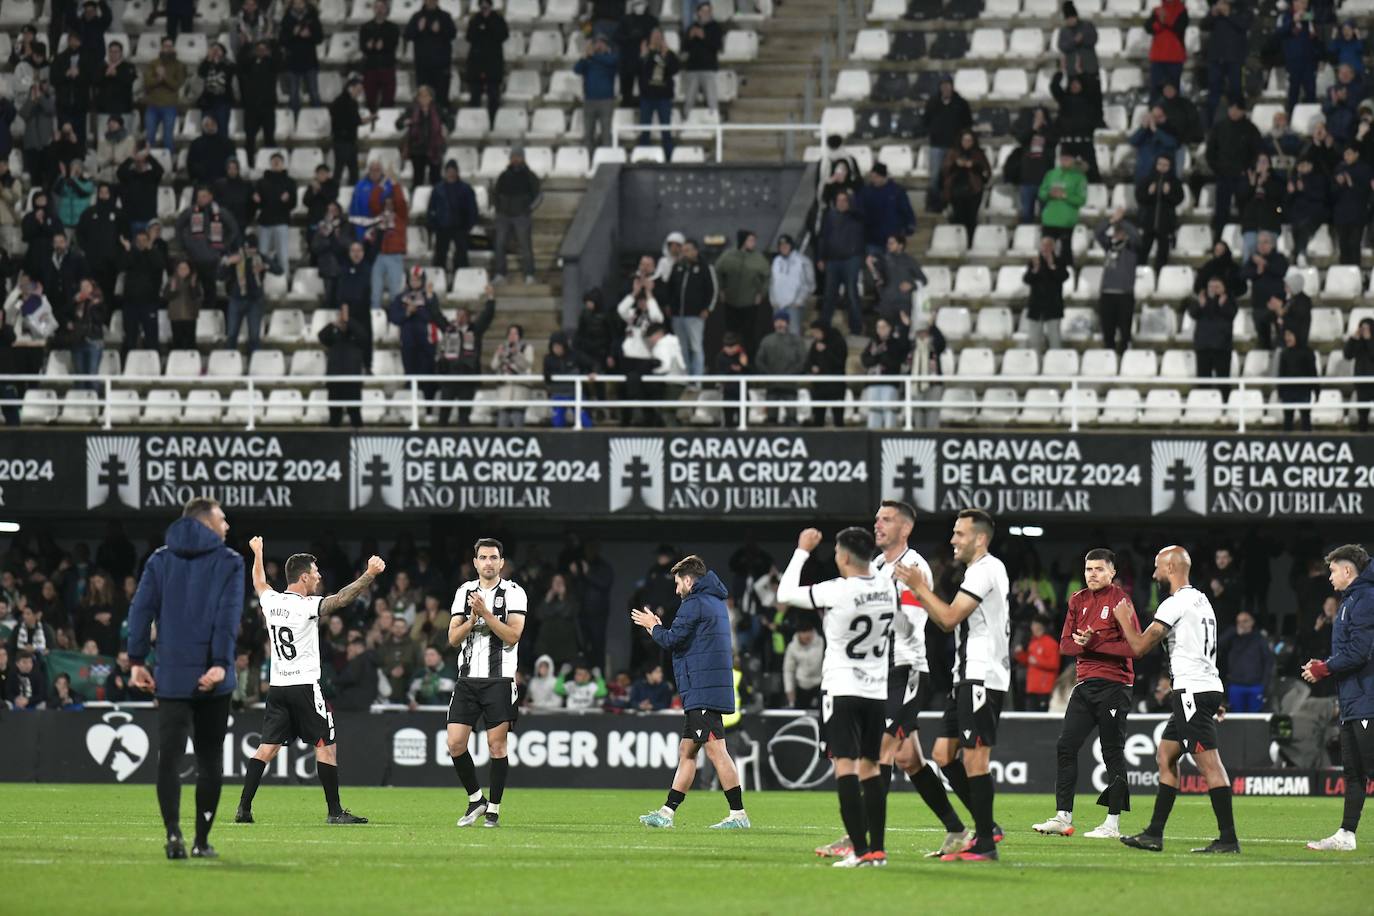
(88, 849)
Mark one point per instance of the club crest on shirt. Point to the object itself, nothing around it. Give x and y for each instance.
(1106, 612)
(500, 601)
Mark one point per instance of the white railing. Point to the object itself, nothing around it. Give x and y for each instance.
(735, 394)
(720, 130)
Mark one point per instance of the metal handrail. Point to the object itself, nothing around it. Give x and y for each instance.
(720, 130)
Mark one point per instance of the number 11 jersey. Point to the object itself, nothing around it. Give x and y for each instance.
(858, 624)
(294, 629)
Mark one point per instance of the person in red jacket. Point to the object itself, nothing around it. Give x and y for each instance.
(390, 219)
(1166, 25)
(1041, 658)
(1101, 695)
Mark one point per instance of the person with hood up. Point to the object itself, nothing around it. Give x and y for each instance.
(1221, 264)
(744, 278)
(703, 669)
(98, 233)
(40, 226)
(672, 251)
(1359, 349)
(827, 355)
(563, 360)
(1296, 360)
(792, 281)
(1158, 196)
(541, 690)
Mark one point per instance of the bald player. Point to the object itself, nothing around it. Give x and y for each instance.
(1185, 622)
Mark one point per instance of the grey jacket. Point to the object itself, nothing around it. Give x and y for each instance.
(40, 118)
(1118, 270)
(1080, 57)
(782, 354)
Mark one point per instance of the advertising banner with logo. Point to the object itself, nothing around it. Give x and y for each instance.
(769, 474)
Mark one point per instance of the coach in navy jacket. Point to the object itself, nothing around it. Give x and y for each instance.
(1352, 648)
(703, 655)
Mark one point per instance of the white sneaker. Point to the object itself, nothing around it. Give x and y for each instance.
(1104, 832)
(849, 861)
(1340, 841)
(1055, 826)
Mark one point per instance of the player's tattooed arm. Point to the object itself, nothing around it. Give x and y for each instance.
(350, 592)
(1140, 643)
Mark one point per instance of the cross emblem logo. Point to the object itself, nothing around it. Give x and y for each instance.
(1178, 477)
(636, 474)
(377, 472)
(909, 471)
(113, 472)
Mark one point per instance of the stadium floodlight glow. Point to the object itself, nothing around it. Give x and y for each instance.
(1032, 531)
(9, 527)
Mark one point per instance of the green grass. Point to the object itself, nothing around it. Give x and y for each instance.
(89, 849)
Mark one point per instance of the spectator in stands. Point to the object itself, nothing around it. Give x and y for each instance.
(843, 170)
(1351, 190)
(217, 87)
(414, 310)
(1295, 312)
(946, 117)
(1341, 106)
(1302, 52)
(966, 173)
(895, 276)
(301, 35)
(639, 311)
(657, 66)
(1158, 196)
(1247, 663)
(486, 36)
(1347, 47)
(513, 357)
(460, 355)
(451, 217)
(1264, 271)
(356, 684)
(598, 68)
(31, 64)
(64, 147)
(1221, 264)
(207, 232)
(344, 121)
(1226, 51)
(671, 253)
(1225, 587)
(39, 112)
(1040, 658)
(320, 193)
(243, 272)
(666, 352)
(701, 46)
(1260, 202)
(1079, 115)
(1359, 349)
(1296, 360)
(26, 687)
(541, 690)
(425, 137)
(801, 667)
(398, 658)
(74, 193)
(692, 291)
(208, 154)
(744, 276)
(1281, 145)
(114, 84)
(346, 342)
(840, 252)
(1232, 147)
(118, 687)
(258, 91)
(354, 289)
(883, 357)
(731, 362)
(1167, 24)
(11, 196)
(585, 688)
(1213, 316)
(1062, 193)
(1154, 138)
(1045, 307)
(430, 33)
(433, 682)
(886, 210)
(144, 268)
(114, 145)
(71, 83)
(92, 25)
(390, 217)
(85, 329)
(827, 356)
(1035, 158)
(1184, 121)
(62, 274)
(98, 234)
(251, 26)
(1077, 43)
(1307, 205)
(162, 82)
(594, 342)
(1120, 241)
(235, 193)
(782, 352)
(39, 227)
(563, 360)
(632, 36)
(517, 193)
(62, 696)
(378, 40)
(650, 693)
(792, 280)
(184, 297)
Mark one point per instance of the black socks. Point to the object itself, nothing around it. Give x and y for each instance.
(329, 779)
(1221, 807)
(733, 797)
(852, 812)
(252, 778)
(1164, 803)
(980, 793)
(932, 791)
(500, 766)
(875, 809)
(675, 798)
(467, 772)
(958, 781)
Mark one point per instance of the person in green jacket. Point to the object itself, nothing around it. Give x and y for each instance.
(1063, 192)
(74, 193)
(744, 275)
(586, 688)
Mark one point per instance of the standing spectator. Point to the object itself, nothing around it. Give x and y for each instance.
(946, 117)
(217, 87)
(1307, 205)
(74, 192)
(1213, 316)
(1121, 242)
(1265, 272)
(1294, 313)
(390, 215)
(666, 352)
(1260, 202)
(638, 311)
(731, 362)
(71, 84)
(1226, 51)
(1302, 52)
(1045, 306)
(1223, 265)
(1036, 160)
(301, 35)
(207, 158)
(1247, 663)
(1359, 349)
(966, 174)
(1158, 196)
(1225, 587)
(1062, 193)
(598, 68)
(258, 90)
(1341, 107)
(801, 667)
(320, 194)
(184, 297)
(344, 121)
(243, 272)
(1077, 43)
(251, 26)
(1079, 116)
(425, 138)
(62, 275)
(840, 254)
(86, 330)
(782, 352)
(563, 360)
(513, 357)
(895, 277)
(1232, 147)
(1347, 47)
(883, 356)
(517, 194)
(398, 658)
(886, 210)
(701, 46)
(11, 197)
(114, 144)
(98, 235)
(486, 36)
(234, 193)
(354, 289)
(827, 356)
(329, 241)
(378, 40)
(40, 228)
(744, 276)
(792, 280)
(1154, 138)
(631, 40)
(1296, 360)
(1183, 115)
(1040, 657)
(693, 289)
(144, 268)
(657, 67)
(346, 342)
(162, 82)
(114, 84)
(207, 232)
(415, 310)
(1351, 184)
(452, 216)
(430, 33)
(1167, 24)
(92, 25)
(39, 112)
(594, 342)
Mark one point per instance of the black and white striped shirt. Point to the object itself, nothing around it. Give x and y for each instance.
(483, 654)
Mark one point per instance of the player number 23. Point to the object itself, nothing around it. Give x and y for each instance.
(863, 627)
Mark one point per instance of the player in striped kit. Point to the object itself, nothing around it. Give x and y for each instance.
(488, 618)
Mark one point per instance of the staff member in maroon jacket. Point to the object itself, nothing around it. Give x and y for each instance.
(1101, 696)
